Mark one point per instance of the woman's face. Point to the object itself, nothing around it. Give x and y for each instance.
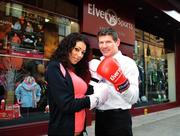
(77, 52)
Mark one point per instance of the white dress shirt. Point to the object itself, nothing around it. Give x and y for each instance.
(126, 99)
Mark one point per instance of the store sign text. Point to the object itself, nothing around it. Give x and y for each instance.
(109, 16)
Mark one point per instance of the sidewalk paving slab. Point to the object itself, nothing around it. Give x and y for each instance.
(162, 123)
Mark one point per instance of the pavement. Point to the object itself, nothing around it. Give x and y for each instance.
(162, 123)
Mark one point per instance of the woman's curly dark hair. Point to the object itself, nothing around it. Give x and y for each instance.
(65, 47)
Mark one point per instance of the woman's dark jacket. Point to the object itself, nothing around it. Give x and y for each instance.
(62, 103)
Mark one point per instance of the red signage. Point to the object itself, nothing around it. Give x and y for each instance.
(97, 15)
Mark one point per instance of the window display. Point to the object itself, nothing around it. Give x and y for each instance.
(25, 32)
(22, 82)
(151, 58)
(28, 37)
(28, 94)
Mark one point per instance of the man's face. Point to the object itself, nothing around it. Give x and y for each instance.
(108, 46)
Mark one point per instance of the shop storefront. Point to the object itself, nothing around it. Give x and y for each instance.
(28, 37)
(29, 33)
(155, 52)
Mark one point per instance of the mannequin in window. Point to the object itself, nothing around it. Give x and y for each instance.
(39, 44)
(16, 39)
(162, 81)
(17, 25)
(28, 94)
(141, 81)
(29, 27)
(37, 70)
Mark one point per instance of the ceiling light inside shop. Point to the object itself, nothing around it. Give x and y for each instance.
(174, 14)
(47, 20)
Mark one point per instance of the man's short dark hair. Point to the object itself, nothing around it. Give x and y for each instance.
(108, 31)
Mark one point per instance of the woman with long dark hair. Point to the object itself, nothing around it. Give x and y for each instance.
(68, 77)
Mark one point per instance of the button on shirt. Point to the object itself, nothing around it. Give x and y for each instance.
(126, 99)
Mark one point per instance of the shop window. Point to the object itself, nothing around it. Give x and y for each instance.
(22, 84)
(28, 37)
(156, 68)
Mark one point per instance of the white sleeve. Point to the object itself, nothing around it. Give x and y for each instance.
(100, 95)
(93, 64)
(131, 95)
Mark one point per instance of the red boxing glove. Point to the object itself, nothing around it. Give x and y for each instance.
(110, 70)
